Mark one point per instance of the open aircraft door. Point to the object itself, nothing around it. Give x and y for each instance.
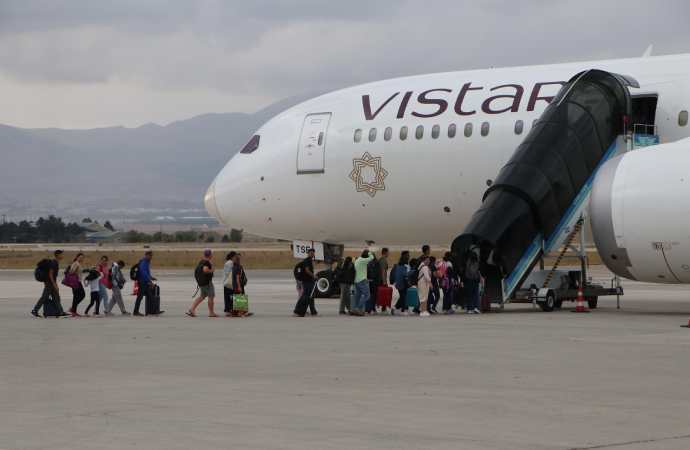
(311, 153)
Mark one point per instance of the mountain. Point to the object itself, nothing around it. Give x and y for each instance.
(118, 170)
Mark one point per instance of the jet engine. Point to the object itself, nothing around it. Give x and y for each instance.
(640, 213)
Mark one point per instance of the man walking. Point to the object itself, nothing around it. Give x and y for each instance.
(362, 291)
(308, 281)
(117, 280)
(383, 267)
(204, 279)
(104, 283)
(145, 282)
(48, 270)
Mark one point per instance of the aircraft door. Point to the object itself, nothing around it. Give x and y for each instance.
(311, 152)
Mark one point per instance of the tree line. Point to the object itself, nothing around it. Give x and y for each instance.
(54, 229)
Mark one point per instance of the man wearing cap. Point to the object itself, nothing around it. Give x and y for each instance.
(145, 280)
(308, 284)
(204, 278)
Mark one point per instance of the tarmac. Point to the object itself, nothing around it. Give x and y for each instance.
(518, 379)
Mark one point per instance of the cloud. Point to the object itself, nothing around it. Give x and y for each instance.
(247, 53)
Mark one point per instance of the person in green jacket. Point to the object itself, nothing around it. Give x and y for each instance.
(361, 282)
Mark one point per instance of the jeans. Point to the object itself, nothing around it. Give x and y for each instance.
(345, 300)
(306, 300)
(103, 293)
(143, 292)
(471, 294)
(362, 295)
(49, 293)
(227, 299)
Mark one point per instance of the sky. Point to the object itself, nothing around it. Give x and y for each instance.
(94, 63)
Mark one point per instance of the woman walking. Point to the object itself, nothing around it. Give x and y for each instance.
(73, 277)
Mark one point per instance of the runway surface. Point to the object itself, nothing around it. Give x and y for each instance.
(519, 379)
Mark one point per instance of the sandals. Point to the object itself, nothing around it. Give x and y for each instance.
(190, 314)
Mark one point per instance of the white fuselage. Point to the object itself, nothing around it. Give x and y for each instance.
(302, 184)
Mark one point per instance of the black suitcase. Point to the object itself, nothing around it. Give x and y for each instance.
(153, 300)
(50, 308)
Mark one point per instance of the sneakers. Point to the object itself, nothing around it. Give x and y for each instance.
(424, 314)
(35, 313)
(125, 313)
(476, 311)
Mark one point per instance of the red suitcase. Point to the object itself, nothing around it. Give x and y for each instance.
(384, 296)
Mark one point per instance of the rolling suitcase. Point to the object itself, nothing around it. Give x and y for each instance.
(412, 298)
(153, 300)
(384, 296)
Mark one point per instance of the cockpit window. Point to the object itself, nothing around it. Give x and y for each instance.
(252, 145)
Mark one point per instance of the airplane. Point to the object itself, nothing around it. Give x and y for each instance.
(412, 159)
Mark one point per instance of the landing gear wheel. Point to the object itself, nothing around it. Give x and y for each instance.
(323, 287)
(592, 302)
(549, 303)
(558, 304)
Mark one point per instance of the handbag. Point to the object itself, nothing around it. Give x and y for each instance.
(71, 280)
(240, 303)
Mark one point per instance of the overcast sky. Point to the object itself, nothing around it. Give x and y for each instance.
(89, 63)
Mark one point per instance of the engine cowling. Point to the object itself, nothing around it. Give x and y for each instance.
(640, 213)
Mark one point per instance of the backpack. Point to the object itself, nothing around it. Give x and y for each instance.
(41, 271)
(93, 275)
(134, 272)
(109, 279)
(298, 271)
(202, 278)
(391, 276)
(374, 271)
(412, 276)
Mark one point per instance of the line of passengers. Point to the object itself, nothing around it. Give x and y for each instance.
(99, 280)
(366, 284)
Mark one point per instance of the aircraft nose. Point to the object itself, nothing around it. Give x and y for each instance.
(210, 203)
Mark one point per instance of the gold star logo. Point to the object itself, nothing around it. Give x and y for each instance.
(368, 174)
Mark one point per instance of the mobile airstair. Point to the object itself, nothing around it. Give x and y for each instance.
(537, 204)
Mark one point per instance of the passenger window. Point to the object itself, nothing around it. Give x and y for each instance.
(419, 133)
(372, 135)
(358, 135)
(452, 130)
(252, 145)
(403, 133)
(519, 127)
(388, 134)
(468, 129)
(683, 118)
(485, 129)
(435, 131)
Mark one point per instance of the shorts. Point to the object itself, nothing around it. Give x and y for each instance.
(208, 291)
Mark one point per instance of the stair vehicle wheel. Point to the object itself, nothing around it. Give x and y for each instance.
(558, 304)
(549, 303)
(592, 302)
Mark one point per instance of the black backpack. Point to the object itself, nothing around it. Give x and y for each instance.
(93, 275)
(134, 272)
(298, 271)
(41, 271)
(374, 271)
(413, 277)
(202, 278)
